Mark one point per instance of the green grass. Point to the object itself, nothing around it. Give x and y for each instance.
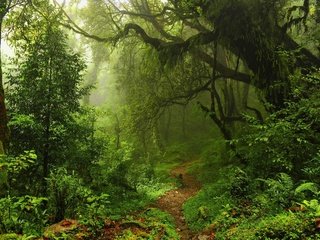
(201, 210)
(123, 202)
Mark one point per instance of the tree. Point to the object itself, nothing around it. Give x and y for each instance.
(257, 49)
(45, 89)
(5, 7)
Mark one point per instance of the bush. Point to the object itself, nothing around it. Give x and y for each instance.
(239, 188)
(280, 190)
(286, 142)
(94, 211)
(14, 168)
(65, 194)
(22, 215)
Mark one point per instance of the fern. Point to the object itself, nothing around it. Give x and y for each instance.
(308, 186)
(313, 205)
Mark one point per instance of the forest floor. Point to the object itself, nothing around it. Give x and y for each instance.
(172, 202)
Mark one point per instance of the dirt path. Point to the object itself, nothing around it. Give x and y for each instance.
(173, 200)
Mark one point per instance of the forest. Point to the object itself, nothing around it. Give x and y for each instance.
(160, 119)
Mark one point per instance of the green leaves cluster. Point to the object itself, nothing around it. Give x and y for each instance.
(12, 168)
(286, 142)
(22, 214)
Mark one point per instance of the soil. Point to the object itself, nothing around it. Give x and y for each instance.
(172, 202)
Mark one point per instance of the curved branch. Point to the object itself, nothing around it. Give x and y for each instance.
(155, 42)
(185, 97)
(221, 68)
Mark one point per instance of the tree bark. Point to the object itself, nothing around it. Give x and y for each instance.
(4, 130)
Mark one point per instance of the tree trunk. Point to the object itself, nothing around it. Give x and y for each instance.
(157, 137)
(4, 131)
(117, 130)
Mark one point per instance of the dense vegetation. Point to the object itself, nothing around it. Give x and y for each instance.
(101, 99)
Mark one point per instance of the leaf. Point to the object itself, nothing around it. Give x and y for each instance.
(308, 186)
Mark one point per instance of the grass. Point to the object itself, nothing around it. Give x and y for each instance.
(201, 210)
(148, 190)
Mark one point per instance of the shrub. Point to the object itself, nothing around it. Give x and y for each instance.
(94, 211)
(12, 169)
(65, 194)
(280, 190)
(22, 215)
(239, 188)
(286, 142)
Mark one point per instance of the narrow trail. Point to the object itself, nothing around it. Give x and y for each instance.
(173, 200)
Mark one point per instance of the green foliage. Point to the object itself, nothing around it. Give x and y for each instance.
(161, 222)
(24, 125)
(68, 197)
(239, 188)
(280, 190)
(123, 154)
(200, 210)
(13, 168)
(313, 206)
(214, 173)
(94, 211)
(306, 190)
(45, 82)
(286, 142)
(14, 236)
(113, 167)
(148, 189)
(312, 168)
(161, 226)
(65, 194)
(22, 214)
(282, 226)
(20, 163)
(280, 158)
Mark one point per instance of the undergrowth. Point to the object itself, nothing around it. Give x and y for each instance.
(152, 224)
(211, 170)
